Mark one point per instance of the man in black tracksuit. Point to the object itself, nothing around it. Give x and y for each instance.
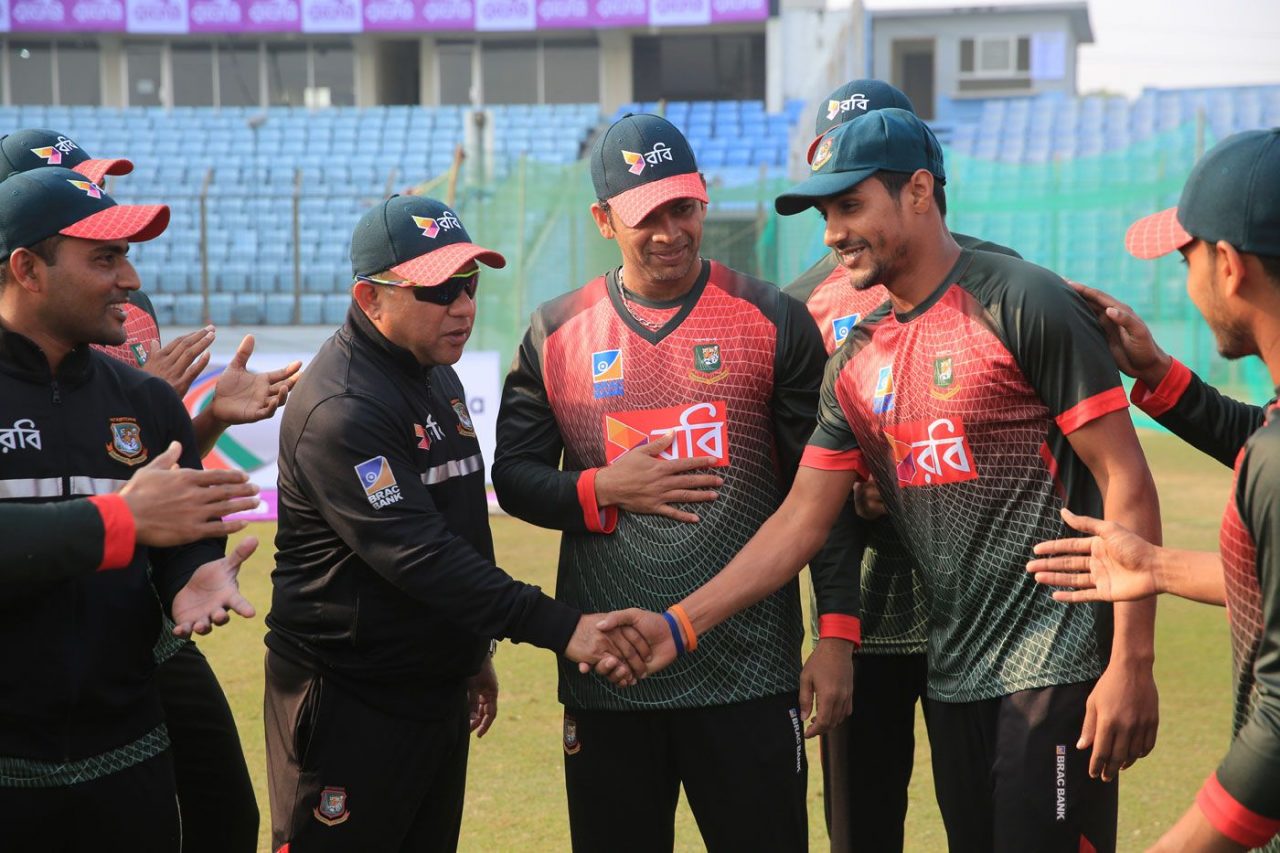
(386, 594)
(83, 747)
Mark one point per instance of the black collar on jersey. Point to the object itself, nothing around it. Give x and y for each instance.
(953, 275)
(362, 327)
(21, 357)
(687, 303)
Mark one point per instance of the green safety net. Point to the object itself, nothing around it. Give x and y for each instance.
(1069, 215)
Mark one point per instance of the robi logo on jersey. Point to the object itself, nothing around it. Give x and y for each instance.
(932, 454)
(700, 430)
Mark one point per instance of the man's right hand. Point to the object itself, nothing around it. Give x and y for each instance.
(174, 506)
(619, 655)
(640, 481)
(180, 361)
(867, 501)
(1136, 353)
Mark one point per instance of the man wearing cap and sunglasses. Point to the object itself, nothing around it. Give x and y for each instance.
(85, 749)
(983, 399)
(679, 393)
(216, 797)
(1227, 228)
(867, 811)
(387, 598)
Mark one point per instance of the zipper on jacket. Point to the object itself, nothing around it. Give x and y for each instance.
(57, 394)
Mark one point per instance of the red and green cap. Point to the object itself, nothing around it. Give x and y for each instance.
(54, 200)
(1230, 195)
(417, 238)
(853, 99)
(34, 148)
(642, 162)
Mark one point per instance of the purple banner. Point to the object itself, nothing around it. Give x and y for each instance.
(353, 16)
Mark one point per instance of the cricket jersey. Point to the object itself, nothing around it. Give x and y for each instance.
(140, 326)
(733, 370)
(1242, 799)
(961, 410)
(894, 612)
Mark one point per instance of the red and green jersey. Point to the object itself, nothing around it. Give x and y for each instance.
(961, 410)
(140, 327)
(893, 610)
(733, 370)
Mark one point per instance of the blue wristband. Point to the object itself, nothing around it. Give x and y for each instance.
(675, 633)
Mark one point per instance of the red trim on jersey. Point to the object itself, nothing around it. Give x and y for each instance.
(1051, 463)
(1233, 820)
(835, 460)
(119, 533)
(841, 627)
(597, 520)
(1086, 846)
(1168, 392)
(1111, 400)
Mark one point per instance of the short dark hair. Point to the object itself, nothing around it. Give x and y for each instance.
(893, 183)
(46, 250)
(1271, 266)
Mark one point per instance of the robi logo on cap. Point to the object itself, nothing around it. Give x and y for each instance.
(52, 154)
(634, 160)
(88, 187)
(431, 227)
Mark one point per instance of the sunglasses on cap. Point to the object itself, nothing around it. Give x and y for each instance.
(443, 293)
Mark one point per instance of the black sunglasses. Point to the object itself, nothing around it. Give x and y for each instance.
(443, 293)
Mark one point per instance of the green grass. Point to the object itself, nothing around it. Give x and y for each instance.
(515, 791)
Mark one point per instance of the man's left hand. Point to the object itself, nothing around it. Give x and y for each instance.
(1120, 718)
(244, 397)
(482, 697)
(213, 593)
(829, 674)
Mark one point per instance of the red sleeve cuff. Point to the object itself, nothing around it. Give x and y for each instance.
(1167, 394)
(597, 520)
(1111, 400)
(835, 460)
(1232, 819)
(840, 627)
(119, 534)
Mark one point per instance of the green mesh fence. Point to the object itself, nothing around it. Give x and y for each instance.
(1069, 215)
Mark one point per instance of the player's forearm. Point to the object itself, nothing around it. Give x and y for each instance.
(775, 555)
(1193, 831)
(208, 430)
(1195, 575)
(1131, 499)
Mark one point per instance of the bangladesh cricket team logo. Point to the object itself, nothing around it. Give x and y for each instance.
(126, 442)
(332, 809)
(708, 364)
(944, 378)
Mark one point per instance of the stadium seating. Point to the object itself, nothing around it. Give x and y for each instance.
(266, 176)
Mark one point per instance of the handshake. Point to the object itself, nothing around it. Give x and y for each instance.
(623, 646)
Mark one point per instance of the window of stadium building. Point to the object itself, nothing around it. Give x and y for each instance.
(144, 62)
(989, 63)
(60, 72)
(193, 74)
(695, 68)
(528, 71)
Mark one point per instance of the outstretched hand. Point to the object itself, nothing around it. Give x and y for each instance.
(180, 361)
(619, 654)
(213, 593)
(1111, 563)
(640, 480)
(174, 506)
(1136, 352)
(244, 397)
(643, 627)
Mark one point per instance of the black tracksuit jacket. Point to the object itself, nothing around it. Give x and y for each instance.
(78, 664)
(385, 578)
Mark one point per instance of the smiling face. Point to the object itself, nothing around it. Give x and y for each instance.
(866, 227)
(84, 292)
(1205, 287)
(661, 250)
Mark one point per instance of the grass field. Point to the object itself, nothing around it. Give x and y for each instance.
(515, 793)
